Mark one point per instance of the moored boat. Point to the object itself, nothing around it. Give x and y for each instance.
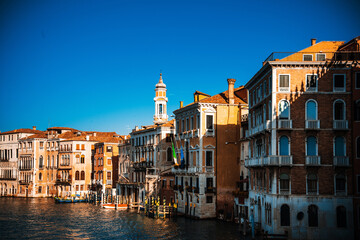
(115, 206)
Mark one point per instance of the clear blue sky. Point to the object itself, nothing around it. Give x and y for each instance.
(93, 65)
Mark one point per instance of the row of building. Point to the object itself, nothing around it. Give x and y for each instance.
(282, 151)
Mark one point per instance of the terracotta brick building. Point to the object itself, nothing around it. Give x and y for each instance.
(300, 152)
(208, 131)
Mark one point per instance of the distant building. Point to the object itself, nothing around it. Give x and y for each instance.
(149, 173)
(9, 159)
(299, 127)
(208, 132)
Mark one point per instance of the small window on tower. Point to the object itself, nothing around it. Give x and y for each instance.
(160, 109)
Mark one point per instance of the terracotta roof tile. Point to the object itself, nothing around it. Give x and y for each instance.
(38, 135)
(21, 130)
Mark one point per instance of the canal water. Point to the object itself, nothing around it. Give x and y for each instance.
(35, 218)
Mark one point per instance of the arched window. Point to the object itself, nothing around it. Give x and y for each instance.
(284, 183)
(340, 184)
(160, 109)
(41, 162)
(285, 215)
(169, 154)
(311, 110)
(284, 109)
(313, 216)
(312, 184)
(311, 146)
(77, 175)
(82, 175)
(339, 150)
(341, 217)
(339, 110)
(284, 146)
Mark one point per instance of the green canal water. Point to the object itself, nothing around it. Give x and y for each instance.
(34, 218)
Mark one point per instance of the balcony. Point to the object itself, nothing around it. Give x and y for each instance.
(210, 190)
(312, 161)
(195, 133)
(210, 133)
(152, 172)
(312, 124)
(194, 170)
(209, 169)
(109, 182)
(25, 182)
(178, 170)
(284, 124)
(340, 125)
(341, 161)
(269, 161)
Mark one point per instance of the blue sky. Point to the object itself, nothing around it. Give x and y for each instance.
(93, 65)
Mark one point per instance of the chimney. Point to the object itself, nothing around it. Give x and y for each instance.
(313, 41)
(87, 137)
(231, 83)
(94, 134)
(34, 127)
(181, 104)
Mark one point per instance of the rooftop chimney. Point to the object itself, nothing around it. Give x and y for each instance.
(231, 83)
(313, 41)
(34, 127)
(87, 137)
(181, 104)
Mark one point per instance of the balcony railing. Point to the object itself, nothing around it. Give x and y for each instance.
(210, 190)
(340, 124)
(284, 124)
(109, 182)
(341, 161)
(312, 124)
(210, 132)
(312, 161)
(269, 161)
(315, 56)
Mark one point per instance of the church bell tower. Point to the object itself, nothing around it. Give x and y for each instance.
(160, 102)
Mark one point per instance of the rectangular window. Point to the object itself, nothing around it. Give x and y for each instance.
(209, 182)
(209, 122)
(182, 125)
(357, 80)
(307, 57)
(358, 183)
(284, 83)
(82, 146)
(187, 124)
(339, 82)
(177, 126)
(209, 199)
(320, 57)
(311, 82)
(164, 183)
(77, 146)
(191, 123)
(209, 160)
(197, 121)
(109, 149)
(108, 176)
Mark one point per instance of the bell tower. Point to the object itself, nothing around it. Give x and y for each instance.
(160, 102)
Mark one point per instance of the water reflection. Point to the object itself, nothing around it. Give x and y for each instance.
(43, 219)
